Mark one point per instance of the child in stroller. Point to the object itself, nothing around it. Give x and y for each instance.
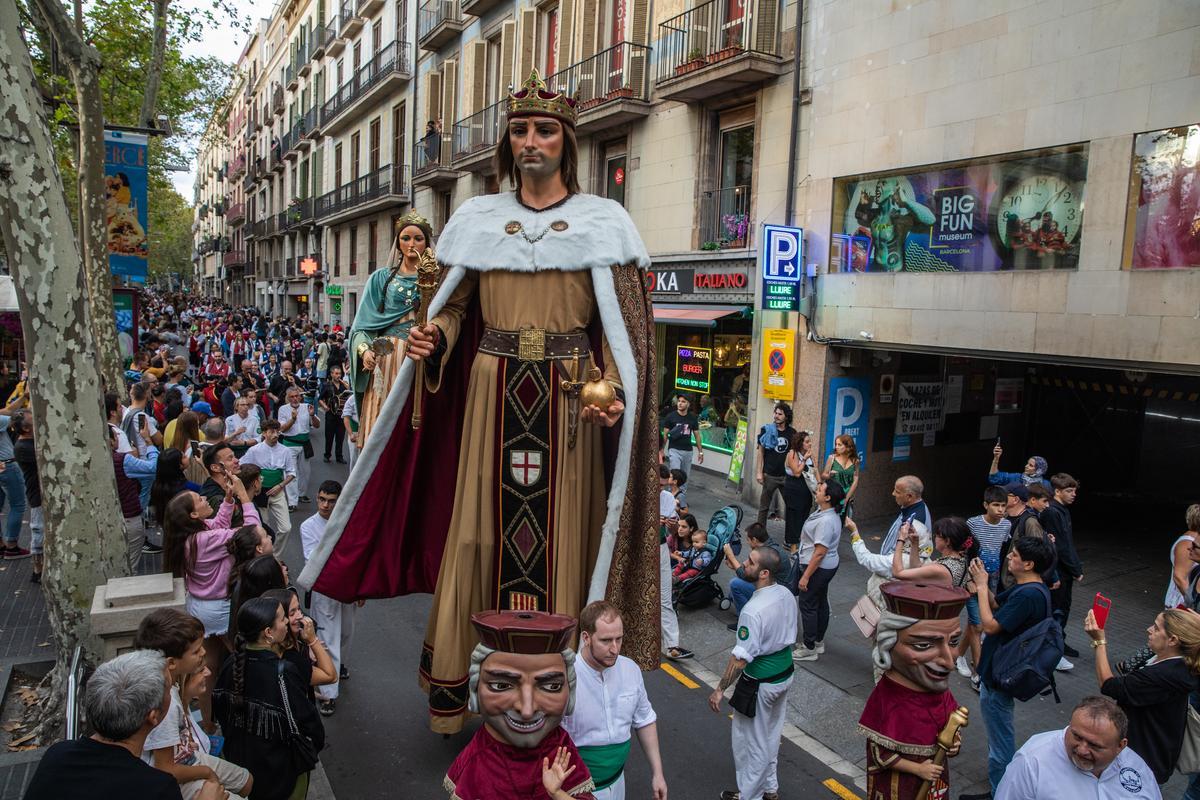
(702, 588)
(693, 560)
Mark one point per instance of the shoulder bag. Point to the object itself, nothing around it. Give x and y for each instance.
(865, 615)
(301, 750)
(1189, 756)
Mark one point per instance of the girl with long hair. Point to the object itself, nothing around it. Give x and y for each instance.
(187, 430)
(260, 698)
(798, 471)
(256, 576)
(304, 648)
(169, 480)
(842, 466)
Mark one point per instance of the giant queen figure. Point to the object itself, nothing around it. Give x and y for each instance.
(531, 482)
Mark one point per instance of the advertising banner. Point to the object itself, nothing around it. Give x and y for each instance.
(1164, 203)
(778, 364)
(849, 412)
(125, 203)
(920, 407)
(737, 458)
(1023, 212)
(125, 309)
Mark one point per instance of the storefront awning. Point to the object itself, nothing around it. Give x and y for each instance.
(696, 316)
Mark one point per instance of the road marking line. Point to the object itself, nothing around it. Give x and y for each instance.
(808, 744)
(679, 676)
(839, 790)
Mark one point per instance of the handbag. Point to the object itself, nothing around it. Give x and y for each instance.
(1189, 756)
(301, 750)
(865, 615)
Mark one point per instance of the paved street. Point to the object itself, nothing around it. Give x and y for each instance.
(379, 745)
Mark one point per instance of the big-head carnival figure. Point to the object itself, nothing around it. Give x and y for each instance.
(526, 486)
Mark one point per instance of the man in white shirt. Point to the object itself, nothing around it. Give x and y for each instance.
(668, 517)
(334, 621)
(611, 701)
(242, 427)
(297, 421)
(765, 635)
(1089, 758)
(278, 472)
(350, 420)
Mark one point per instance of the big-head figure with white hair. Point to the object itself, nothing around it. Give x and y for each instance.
(522, 682)
(911, 714)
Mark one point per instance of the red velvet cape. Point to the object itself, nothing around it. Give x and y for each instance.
(488, 769)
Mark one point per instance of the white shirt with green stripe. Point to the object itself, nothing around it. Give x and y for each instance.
(766, 631)
(275, 462)
(609, 706)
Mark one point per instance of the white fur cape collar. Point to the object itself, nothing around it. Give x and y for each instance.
(598, 233)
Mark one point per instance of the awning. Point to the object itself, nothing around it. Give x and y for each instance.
(696, 316)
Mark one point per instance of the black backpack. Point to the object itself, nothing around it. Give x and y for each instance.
(1024, 665)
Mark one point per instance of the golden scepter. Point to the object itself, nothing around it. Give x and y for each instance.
(428, 273)
(945, 743)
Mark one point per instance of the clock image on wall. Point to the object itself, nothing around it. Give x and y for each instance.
(1039, 214)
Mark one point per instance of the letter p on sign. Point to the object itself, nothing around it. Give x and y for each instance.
(783, 253)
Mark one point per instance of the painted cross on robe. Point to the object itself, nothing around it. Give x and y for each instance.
(525, 466)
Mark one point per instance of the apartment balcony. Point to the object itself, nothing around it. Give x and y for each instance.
(308, 212)
(366, 8)
(438, 23)
(251, 231)
(477, 8)
(304, 131)
(293, 79)
(277, 103)
(304, 60)
(289, 267)
(238, 168)
(236, 214)
(475, 138)
(725, 219)
(613, 87)
(335, 46)
(322, 36)
(432, 165)
(234, 258)
(291, 140)
(270, 226)
(381, 77)
(351, 23)
(384, 188)
(709, 51)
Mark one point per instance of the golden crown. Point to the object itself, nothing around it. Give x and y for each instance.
(411, 218)
(535, 99)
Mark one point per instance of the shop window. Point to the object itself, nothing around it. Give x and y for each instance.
(713, 369)
(614, 188)
(1016, 211)
(1164, 207)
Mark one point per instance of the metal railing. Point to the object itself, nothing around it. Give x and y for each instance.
(234, 258)
(478, 132)
(290, 74)
(621, 72)
(237, 211)
(74, 689)
(291, 267)
(711, 33)
(391, 59)
(433, 13)
(276, 98)
(345, 14)
(431, 153)
(387, 180)
(329, 34)
(285, 143)
(725, 217)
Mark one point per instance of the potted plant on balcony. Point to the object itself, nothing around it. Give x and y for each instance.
(624, 92)
(736, 225)
(733, 46)
(293, 210)
(694, 61)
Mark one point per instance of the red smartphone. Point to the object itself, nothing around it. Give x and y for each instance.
(1100, 608)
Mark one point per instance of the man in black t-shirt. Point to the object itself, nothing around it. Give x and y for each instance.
(125, 699)
(679, 426)
(773, 443)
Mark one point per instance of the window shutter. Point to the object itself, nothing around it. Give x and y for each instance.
(526, 57)
(433, 97)
(508, 42)
(766, 29)
(589, 12)
(639, 33)
(478, 57)
(566, 34)
(449, 108)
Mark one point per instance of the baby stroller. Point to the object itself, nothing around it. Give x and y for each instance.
(700, 590)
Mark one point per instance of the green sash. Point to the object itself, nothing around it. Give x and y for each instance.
(353, 424)
(770, 665)
(271, 477)
(606, 762)
(299, 440)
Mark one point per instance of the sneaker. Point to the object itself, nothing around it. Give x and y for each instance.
(1070, 651)
(730, 794)
(35, 577)
(964, 667)
(15, 553)
(343, 673)
(975, 683)
(305, 498)
(326, 459)
(1063, 665)
(804, 654)
(679, 653)
(820, 651)
(151, 549)
(326, 707)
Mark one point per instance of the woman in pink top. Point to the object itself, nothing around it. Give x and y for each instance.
(196, 549)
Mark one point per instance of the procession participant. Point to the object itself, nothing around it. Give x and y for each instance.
(524, 513)
(761, 663)
(915, 646)
(278, 471)
(387, 310)
(242, 427)
(610, 701)
(296, 421)
(522, 682)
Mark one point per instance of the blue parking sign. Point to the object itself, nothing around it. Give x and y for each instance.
(782, 253)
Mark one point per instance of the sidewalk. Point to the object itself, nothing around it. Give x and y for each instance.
(828, 695)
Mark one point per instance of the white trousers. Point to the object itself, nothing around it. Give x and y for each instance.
(299, 487)
(351, 453)
(614, 792)
(670, 622)
(335, 625)
(279, 518)
(756, 741)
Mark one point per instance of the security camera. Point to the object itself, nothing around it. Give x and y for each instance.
(866, 335)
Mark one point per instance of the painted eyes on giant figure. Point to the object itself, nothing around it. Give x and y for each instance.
(924, 645)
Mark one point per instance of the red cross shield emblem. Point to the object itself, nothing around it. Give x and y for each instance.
(525, 466)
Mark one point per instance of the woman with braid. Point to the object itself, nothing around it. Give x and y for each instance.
(388, 309)
(258, 699)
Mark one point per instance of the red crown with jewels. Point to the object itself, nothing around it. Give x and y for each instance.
(535, 99)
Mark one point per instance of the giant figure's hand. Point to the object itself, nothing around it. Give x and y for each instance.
(422, 341)
(606, 418)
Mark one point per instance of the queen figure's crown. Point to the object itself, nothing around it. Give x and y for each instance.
(535, 99)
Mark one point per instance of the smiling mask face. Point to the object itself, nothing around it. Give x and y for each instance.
(522, 698)
(925, 652)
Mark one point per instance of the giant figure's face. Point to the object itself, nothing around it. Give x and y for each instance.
(537, 145)
(924, 653)
(523, 697)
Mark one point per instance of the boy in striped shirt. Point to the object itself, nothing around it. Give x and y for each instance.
(991, 530)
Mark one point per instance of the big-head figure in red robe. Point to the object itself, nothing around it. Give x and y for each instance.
(522, 682)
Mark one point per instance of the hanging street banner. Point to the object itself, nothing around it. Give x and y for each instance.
(779, 364)
(920, 407)
(125, 204)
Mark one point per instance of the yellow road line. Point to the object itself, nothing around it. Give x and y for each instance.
(679, 676)
(839, 790)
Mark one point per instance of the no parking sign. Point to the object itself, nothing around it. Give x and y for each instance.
(778, 364)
